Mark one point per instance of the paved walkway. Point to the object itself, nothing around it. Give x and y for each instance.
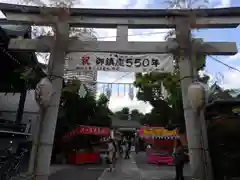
(71, 172)
(78, 173)
(151, 171)
(162, 173)
(58, 167)
(125, 170)
(157, 172)
(129, 170)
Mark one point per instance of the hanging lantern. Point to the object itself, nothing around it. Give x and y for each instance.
(43, 92)
(124, 89)
(82, 91)
(108, 92)
(131, 92)
(197, 95)
(112, 134)
(164, 91)
(118, 89)
(129, 116)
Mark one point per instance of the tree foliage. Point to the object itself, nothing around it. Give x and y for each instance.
(102, 113)
(75, 111)
(165, 108)
(216, 92)
(168, 108)
(82, 111)
(137, 116)
(123, 114)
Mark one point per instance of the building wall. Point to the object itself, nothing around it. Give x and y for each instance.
(6, 141)
(11, 116)
(88, 76)
(9, 102)
(9, 105)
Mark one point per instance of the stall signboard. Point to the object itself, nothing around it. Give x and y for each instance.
(119, 62)
(90, 130)
(157, 132)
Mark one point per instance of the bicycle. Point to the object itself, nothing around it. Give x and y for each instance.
(13, 169)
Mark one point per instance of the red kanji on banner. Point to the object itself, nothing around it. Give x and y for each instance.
(85, 60)
(91, 130)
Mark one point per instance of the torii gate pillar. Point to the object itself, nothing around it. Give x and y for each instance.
(188, 74)
(49, 115)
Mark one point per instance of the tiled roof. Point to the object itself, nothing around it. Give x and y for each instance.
(124, 123)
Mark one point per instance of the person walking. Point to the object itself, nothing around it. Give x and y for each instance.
(179, 160)
(112, 154)
(120, 148)
(136, 140)
(128, 148)
(125, 149)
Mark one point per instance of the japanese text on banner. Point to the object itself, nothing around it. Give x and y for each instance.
(159, 132)
(116, 62)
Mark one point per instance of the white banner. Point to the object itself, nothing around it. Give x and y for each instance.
(119, 62)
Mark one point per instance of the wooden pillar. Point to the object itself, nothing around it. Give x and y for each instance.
(21, 105)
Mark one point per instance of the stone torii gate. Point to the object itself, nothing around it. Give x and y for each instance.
(181, 20)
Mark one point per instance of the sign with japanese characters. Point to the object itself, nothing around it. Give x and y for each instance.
(90, 130)
(157, 132)
(119, 62)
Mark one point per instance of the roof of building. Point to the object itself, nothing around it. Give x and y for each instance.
(118, 123)
(16, 30)
(227, 102)
(12, 61)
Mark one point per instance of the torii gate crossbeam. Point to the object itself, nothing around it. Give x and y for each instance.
(45, 44)
(135, 18)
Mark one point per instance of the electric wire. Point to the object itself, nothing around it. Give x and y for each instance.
(225, 64)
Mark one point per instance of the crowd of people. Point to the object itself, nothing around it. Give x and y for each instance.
(123, 148)
(120, 149)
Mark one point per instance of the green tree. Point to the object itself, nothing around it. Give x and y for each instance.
(73, 111)
(170, 108)
(123, 114)
(149, 90)
(136, 115)
(103, 100)
(102, 112)
(216, 92)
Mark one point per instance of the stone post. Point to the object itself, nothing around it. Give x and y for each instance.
(49, 117)
(187, 72)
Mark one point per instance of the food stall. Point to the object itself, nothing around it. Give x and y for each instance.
(82, 144)
(161, 143)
